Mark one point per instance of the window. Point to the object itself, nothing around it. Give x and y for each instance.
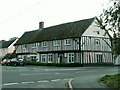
(99, 58)
(50, 58)
(33, 58)
(71, 58)
(97, 41)
(56, 43)
(24, 46)
(67, 41)
(34, 45)
(43, 58)
(44, 44)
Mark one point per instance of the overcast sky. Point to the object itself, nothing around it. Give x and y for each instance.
(18, 16)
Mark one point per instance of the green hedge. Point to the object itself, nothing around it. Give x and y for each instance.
(55, 64)
(67, 64)
(98, 64)
(112, 81)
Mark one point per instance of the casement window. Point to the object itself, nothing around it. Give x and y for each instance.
(67, 42)
(56, 43)
(50, 58)
(44, 44)
(34, 45)
(43, 58)
(97, 41)
(71, 57)
(33, 58)
(99, 58)
(24, 46)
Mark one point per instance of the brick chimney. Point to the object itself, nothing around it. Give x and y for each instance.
(41, 25)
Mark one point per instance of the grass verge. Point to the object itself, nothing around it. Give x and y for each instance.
(112, 81)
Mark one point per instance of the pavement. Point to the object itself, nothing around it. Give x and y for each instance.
(88, 84)
(90, 81)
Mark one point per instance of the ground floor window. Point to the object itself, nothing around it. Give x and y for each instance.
(33, 58)
(71, 57)
(43, 58)
(99, 58)
(50, 58)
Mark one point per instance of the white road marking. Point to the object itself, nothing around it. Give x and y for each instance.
(64, 69)
(34, 74)
(27, 82)
(56, 80)
(9, 84)
(70, 84)
(43, 81)
(67, 78)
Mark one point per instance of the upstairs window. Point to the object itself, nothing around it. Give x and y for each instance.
(97, 41)
(24, 46)
(56, 43)
(44, 44)
(67, 42)
(34, 45)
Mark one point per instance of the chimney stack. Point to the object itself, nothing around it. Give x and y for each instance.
(41, 25)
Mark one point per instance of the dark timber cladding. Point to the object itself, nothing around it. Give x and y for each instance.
(62, 31)
(95, 50)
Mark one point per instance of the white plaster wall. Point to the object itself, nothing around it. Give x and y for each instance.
(92, 31)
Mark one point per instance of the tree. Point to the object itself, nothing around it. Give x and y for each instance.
(109, 21)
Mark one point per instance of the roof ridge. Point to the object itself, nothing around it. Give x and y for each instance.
(64, 30)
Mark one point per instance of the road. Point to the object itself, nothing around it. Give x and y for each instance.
(54, 77)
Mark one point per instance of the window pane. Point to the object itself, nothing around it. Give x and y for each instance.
(71, 57)
(67, 41)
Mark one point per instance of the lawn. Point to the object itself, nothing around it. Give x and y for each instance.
(112, 81)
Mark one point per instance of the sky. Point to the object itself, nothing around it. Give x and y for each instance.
(19, 16)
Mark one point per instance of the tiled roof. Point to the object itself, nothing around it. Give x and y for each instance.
(66, 30)
(6, 44)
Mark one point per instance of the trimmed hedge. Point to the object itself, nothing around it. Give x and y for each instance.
(112, 81)
(55, 64)
(98, 64)
(67, 64)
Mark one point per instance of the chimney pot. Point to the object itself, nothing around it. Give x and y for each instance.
(41, 25)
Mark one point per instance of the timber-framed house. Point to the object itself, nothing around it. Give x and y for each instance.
(74, 42)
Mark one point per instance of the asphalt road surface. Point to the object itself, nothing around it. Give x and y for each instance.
(54, 77)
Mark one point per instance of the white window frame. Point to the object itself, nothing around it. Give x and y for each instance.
(72, 57)
(56, 43)
(33, 57)
(43, 56)
(34, 45)
(24, 46)
(67, 42)
(50, 58)
(44, 44)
